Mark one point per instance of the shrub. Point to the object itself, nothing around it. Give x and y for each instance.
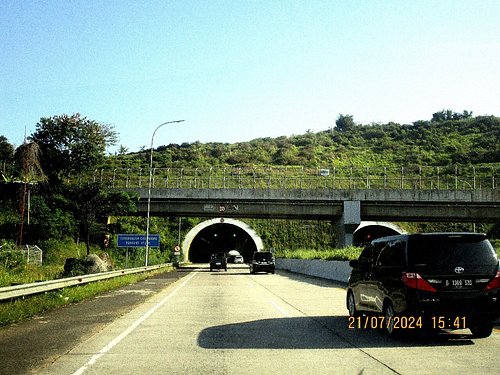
(12, 260)
(57, 251)
(346, 253)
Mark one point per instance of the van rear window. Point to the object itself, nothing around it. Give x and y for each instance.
(443, 250)
(262, 256)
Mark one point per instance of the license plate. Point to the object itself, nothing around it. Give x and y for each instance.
(458, 283)
(217, 264)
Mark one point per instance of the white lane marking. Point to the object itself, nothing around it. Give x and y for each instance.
(280, 309)
(133, 326)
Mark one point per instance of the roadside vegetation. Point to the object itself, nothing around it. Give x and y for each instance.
(22, 309)
(347, 253)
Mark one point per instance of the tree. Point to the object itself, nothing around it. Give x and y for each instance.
(122, 150)
(450, 115)
(344, 123)
(6, 156)
(71, 144)
(50, 217)
(90, 203)
(31, 172)
(29, 158)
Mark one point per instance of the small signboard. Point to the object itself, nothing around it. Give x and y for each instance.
(138, 240)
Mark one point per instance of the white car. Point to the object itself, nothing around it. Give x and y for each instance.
(238, 259)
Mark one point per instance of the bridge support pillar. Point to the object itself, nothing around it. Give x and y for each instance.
(345, 226)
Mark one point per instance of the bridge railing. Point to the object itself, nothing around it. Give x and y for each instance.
(418, 177)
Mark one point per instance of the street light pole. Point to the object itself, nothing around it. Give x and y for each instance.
(150, 182)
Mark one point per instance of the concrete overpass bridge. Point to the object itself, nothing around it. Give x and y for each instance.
(344, 196)
(345, 208)
(322, 204)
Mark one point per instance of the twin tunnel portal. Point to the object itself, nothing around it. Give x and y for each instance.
(225, 235)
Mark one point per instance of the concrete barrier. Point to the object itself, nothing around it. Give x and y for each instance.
(325, 269)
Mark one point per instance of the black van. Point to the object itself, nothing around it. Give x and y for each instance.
(426, 281)
(218, 261)
(262, 261)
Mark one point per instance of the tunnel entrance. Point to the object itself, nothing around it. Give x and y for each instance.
(220, 235)
(371, 230)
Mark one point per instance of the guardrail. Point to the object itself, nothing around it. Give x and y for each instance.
(23, 290)
(415, 177)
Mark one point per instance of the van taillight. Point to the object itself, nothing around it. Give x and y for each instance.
(495, 283)
(415, 281)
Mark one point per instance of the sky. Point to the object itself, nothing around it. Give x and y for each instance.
(236, 70)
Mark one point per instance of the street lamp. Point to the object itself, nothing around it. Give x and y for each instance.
(150, 182)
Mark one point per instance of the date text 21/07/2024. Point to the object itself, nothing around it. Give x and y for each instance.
(407, 322)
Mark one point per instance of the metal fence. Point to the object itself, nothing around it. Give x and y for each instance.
(31, 254)
(418, 177)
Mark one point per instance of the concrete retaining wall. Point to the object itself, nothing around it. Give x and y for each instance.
(326, 269)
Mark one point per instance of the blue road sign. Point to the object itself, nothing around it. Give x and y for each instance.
(138, 240)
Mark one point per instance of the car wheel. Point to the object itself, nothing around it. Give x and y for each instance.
(389, 315)
(351, 304)
(481, 330)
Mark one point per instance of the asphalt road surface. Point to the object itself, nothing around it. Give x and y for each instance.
(236, 323)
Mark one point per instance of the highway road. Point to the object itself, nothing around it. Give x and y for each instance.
(236, 323)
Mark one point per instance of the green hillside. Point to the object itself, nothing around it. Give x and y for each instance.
(443, 141)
